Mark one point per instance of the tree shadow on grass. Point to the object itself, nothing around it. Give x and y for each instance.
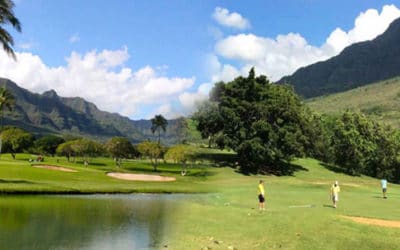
(201, 173)
(277, 169)
(337, 169)
(16, 181)
(219, 159)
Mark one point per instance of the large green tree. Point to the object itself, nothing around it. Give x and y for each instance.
(7, 17)
(154, 151)
(208, 121)
(364, 146)
(181, 153)
(87, 149)
(263, 123)
(48, 144)
(16, 140)
(66, 149)
(120, 147)
(353, 142)
(158, 123)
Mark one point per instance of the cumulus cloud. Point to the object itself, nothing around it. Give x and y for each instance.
(190, 100)
(99, 77)
(367, 26)
(233, 20)
(282, 55)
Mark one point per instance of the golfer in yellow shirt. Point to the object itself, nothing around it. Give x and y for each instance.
(261, 195)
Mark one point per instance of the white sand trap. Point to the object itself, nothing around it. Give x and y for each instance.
(375, 222)
(55, 168)
(140, 177)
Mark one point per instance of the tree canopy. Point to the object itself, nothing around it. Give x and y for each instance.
(120, 147)
(16, 140)
(263, 122)
(154, 151)
(208, 121)
(158, 123)
(48, 144)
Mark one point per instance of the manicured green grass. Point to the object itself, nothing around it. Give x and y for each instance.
(226, 216)
(18, 176)
(230, 218)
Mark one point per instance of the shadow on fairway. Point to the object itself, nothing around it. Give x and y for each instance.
(16, 181)
(378, 197)
(278, 169)
(326, 205)
(337, 169)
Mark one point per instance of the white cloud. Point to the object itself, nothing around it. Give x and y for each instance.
(233, 20)
(190, 100)
(276, 57)
(74, 38)
(99, 77)
(367, 26)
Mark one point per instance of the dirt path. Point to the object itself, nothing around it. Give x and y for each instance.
(55, 168)
(140, 177)
(375, 222)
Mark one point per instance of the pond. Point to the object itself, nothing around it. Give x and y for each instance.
(136, 221)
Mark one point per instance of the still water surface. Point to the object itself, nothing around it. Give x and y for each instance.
(136, 221)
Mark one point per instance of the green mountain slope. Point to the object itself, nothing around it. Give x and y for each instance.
(380, 100)
(357, 65)
(49, 113)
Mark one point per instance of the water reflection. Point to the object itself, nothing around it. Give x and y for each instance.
(85, 222)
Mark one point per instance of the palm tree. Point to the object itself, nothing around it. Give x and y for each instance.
(158, 123)
(6, 101)
(7, 17)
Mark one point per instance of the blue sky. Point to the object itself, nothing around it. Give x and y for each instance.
(141, 58)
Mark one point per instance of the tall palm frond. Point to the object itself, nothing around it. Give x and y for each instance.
(7, 17)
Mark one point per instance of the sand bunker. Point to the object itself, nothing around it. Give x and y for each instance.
(54, 168)
(375, 222)
(140, 177)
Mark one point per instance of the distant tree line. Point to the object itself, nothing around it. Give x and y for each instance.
(268, 125)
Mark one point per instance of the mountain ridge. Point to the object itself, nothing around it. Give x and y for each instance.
(49, 113)
(357, 65)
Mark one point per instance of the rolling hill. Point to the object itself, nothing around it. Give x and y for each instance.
(357, 65)
(380, 100)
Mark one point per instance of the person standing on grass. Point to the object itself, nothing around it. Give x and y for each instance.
(384, 187)
(261, 195)
(335, 189)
